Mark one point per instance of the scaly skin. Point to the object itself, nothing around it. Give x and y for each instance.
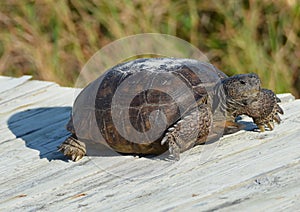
(264, 111)
(189, 131)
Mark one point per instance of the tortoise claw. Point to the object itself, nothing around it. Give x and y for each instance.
(164, 140)
(279, 110)
(261, 128)
(73, 148)
(277, 99)
(270, 125)
(277, 119)
(76, 157)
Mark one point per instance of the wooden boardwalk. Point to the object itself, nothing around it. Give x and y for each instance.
(245, 171)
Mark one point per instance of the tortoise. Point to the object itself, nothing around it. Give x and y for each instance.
(148, 106)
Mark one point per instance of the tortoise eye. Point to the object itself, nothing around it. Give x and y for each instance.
(242, 82)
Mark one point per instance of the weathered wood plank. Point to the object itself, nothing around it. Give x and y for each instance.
(7, 83)
(34, 94)
(275, 190)
(247, 170)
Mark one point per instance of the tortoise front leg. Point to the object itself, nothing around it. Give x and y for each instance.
(191, 130)
(73, 148)
(265, 110)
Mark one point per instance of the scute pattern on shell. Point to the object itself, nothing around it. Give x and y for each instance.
(166, 73)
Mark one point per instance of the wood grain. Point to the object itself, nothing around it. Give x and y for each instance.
(244, 171)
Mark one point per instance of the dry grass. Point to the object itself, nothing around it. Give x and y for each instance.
(52, 40)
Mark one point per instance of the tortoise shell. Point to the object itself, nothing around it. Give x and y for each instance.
(132, 104)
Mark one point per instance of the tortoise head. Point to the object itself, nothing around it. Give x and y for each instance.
(242, 89)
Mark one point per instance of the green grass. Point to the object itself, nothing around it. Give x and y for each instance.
(52, 40)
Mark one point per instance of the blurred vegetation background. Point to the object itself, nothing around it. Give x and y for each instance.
(52, 40)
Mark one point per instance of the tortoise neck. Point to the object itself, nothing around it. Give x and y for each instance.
(229, 105)
(233, 108)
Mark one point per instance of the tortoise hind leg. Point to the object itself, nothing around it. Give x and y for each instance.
(73, 148)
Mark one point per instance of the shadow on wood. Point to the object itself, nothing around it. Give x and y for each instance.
(42, 129)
